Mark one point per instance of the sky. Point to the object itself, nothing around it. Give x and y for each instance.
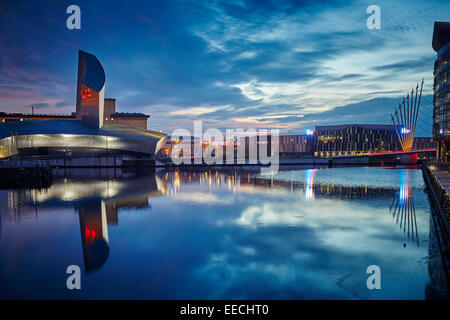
(289, 65)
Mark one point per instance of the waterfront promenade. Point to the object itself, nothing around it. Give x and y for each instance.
(442, 176)
(440, 181)
(437, 178)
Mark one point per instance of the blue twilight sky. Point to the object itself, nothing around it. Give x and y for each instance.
(233, 64)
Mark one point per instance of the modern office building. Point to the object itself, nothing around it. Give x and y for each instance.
(423, 143)
(295, 145)
(325, 142)
(350, 139)
(441, 100)
(88, 134)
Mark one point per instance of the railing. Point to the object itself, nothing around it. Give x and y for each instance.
(440, 191)
(440, 208)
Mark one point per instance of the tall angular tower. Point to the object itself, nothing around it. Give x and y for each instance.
(90, 90)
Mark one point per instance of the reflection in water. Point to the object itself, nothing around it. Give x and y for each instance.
(402, 206)
(94, 235)
(403, 209)
(232, 228)
(96, 214)
(309, 183)
(97, 201)
(172, 180)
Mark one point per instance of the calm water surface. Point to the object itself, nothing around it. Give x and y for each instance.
(297, 234)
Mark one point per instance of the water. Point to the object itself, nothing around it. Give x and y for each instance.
(298, 234)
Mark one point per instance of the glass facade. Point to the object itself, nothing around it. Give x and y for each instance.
(333, 141)
(441, 99)
(297, 144)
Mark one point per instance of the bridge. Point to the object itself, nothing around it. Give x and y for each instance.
(405, 121)
(387, 157)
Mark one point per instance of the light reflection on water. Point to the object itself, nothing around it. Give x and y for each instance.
(303, 234)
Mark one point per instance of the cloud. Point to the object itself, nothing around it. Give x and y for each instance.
(266, 61)
(197, 111)
(425, 63)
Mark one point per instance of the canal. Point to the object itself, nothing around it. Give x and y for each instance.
(206, 234)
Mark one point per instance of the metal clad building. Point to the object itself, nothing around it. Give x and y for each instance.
(62, 137)
(87, 134)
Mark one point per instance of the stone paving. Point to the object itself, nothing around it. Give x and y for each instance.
(443, 176)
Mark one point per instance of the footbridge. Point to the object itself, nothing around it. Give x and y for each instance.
(388, 157)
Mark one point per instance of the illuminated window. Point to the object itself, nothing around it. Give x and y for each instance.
(86, 94)
(89, 234)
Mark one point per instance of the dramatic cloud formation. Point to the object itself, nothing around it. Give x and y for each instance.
(284, 64)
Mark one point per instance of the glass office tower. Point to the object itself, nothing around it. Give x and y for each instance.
(441, 100)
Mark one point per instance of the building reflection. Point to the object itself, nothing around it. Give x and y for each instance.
(402, 206)
(94, 234)
(404, 213)
(403, 209)
(97, 198)
(309, 173)
(249, 182)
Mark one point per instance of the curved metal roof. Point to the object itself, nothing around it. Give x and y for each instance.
(76, 127)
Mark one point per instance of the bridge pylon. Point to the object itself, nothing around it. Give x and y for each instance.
(405, 119)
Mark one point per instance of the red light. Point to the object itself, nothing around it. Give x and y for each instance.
(89, 234)
(85, 94)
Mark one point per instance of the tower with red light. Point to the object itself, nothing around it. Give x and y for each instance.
(90, 90)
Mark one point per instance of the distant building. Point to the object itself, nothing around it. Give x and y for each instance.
(110, 108)
(295, 145)
(130, 119)
(194, 149)
(351, 139)
(6, 117)
(423, 143)
(340, 140)
(324, 142)
(441, 100)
